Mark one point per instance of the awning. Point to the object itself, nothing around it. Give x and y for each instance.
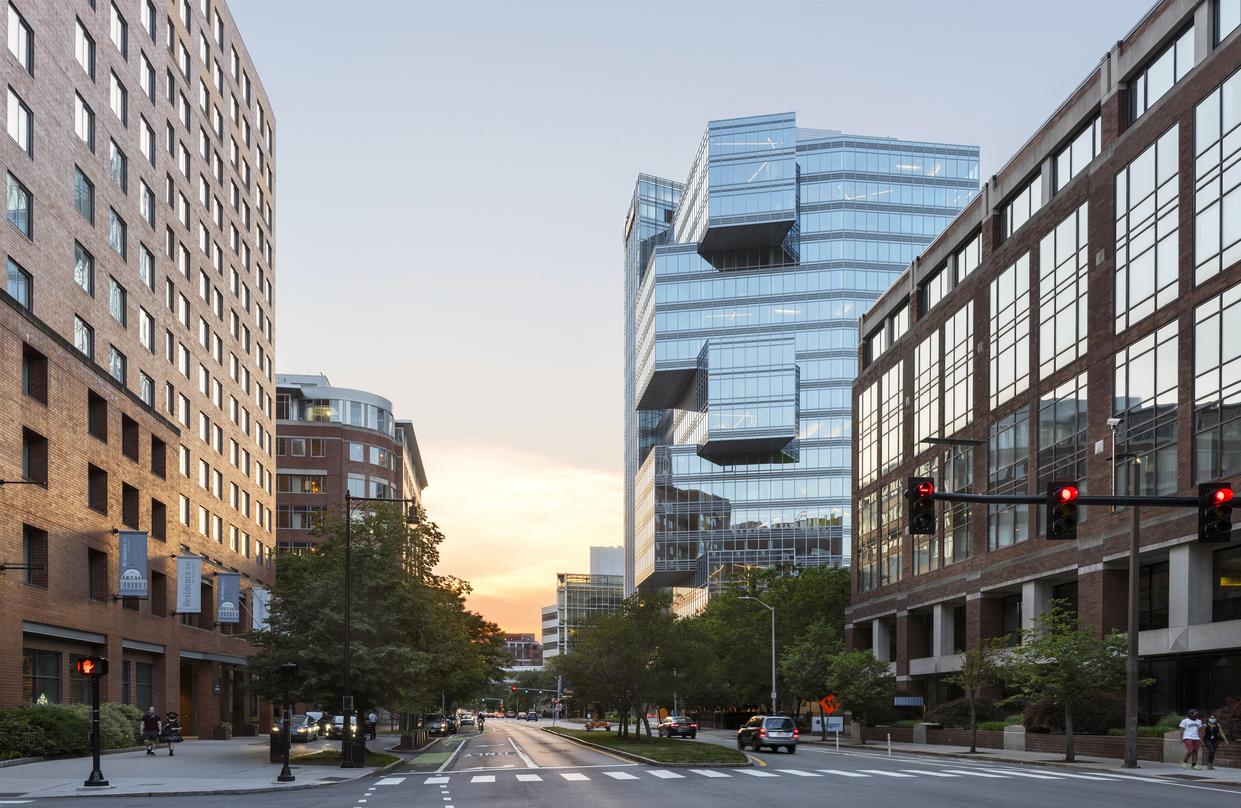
(139, 645)
(62, 633)
(206, 656)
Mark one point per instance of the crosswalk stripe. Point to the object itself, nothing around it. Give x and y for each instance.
(1031, 775)
(529, 778)
(434, 781)
(882, 773)
(575, 777)
(756, 772)
(971, 773)
(799, 772)
(483, 778)
(710, 773)
(664, 774)
(929, 774)
(844, 773)
(390, 781)
(1082, 776)
(620, 775)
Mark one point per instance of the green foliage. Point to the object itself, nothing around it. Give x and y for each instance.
(980, 669)
(35, 730)
(992, 726)
(862, 684)
(956, 713)
(665, 750)
(412, 637)
(1093, 716)
(804, 663)
(1230, 717)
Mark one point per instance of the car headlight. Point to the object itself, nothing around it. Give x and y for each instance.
(275, 730)
(303, 730)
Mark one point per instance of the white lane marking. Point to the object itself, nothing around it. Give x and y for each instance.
(451, 757)
(390, 781)
(483, 778)
(799, 772)
(756, 773)
(882, 773)
(522, 754)
(972, 773)
(710, 773)
(575, 777)
(434, 781)
(14, 802)
(1074, 776)
(620, 775)
(1031, 775)
(664, 774)
(929, 774)
(529, 778)
(843, 773)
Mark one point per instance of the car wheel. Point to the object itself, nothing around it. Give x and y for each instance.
(693, 735)
(792, 749)
(740, 744)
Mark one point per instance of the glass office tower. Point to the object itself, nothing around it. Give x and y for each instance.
(743, 291)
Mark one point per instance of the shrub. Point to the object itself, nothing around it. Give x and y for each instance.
(1229, 717)
(1096, 716)
(956, 713)
(906, 723)
(993, 726)
(34, 730)
(1168, 723)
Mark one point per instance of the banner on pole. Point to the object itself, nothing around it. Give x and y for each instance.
(260, 608)
(228, 597)
(189, 585)
(135, 579)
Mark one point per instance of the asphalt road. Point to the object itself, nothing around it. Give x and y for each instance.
(515, 764)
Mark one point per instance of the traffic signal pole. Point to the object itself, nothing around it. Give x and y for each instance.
(1131, 658)
(96, 776)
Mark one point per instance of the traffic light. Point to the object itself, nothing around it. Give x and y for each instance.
(92, 666)
(1215, 512)
(512, 688)
(1062, 511)
(920, 500)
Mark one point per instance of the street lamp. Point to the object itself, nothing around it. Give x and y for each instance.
(773, 648)
(411, 518)
(1131, 658)
(287, 671)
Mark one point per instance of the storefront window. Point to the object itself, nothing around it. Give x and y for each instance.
(41, 676)
(1226, 585)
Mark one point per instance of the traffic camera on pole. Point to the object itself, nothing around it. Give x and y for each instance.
(1215, 512)
(920, 499)
(1062, 511)
(92, 666)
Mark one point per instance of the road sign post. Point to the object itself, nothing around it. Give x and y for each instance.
(94, 668)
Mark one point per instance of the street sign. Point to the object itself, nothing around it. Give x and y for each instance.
(829, 704)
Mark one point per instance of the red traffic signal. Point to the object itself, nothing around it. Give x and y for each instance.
(1215, 512)
(92, 666)
(1067, 493)
(513, 688)
(920, 499)
(1062, 511)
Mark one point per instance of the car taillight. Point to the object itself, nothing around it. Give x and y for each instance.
(762, 732)
(693, 726)
(796, 733)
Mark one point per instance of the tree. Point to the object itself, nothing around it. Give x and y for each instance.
(804, 663)
(980, 669)
(861, 683)
(1065, 663)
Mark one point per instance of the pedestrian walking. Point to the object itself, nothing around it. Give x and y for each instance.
(150, 729)
(1191, 736)
(1212, 735)
(373, 719)
(170, 733)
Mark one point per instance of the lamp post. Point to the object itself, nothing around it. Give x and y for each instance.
(287, 671)
(1131, 657)
(411, 518)
(773, 648)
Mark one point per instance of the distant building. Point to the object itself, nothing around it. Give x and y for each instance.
(527, 652)
(550, 621)
(579, 596)
(333, 439)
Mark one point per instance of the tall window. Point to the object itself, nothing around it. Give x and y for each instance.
(83, 195)
(1163, 71)
(1024, 205)
(84, 49)
(1226, 594)
(1228, 19)
(35, 555)
(118, 97)
(118, 165)
(1217, 387)
(83, 337)
(1010, 331)
(893, 516)
(926, 391)
(117, 365)
(84, 121)
(116, 232)
(1062, 437)
(21, 40)
(1073, 158)
(18, 283)
(21, 123)
(1147, 208)
(40, 675)
(117, 302)
(1063, 263)
(891, 415)
(118, 29)
(958, 475)
(968, 257)
(18, 205)
(958, 369)
(84, 269)
(868, 435)
(1217, 200)
(1008, 464)
(1145, 398)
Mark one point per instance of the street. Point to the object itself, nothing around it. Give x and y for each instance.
(515, 763)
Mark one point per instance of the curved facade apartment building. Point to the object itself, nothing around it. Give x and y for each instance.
(136, 339)
(1078, 321)
(333, 439)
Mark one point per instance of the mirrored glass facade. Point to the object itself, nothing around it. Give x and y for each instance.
(743, 291)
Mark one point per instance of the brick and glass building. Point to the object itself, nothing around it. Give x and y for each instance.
(334, 439)
(1079, 320)
(136, 343)
(526, 651)
(579, 596)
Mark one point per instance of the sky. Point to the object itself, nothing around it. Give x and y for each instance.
(452, 180)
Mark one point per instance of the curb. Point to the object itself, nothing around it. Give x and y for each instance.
(4, 764)
(648, 761)
(83, 792)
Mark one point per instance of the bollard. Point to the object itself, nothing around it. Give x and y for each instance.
(889, 744)
(837, 740)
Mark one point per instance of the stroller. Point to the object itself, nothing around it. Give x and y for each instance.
(170, 733)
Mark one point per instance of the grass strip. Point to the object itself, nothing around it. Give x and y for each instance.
(664, 750)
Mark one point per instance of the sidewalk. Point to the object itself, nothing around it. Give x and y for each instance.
(1146, 768)
(238, 766)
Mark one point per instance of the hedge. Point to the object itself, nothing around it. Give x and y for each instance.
(36, 730)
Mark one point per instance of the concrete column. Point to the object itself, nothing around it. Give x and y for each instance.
(1189, 584)
(942, 624)
(880, 640)
(1035, 595)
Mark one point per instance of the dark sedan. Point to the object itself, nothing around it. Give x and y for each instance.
(438, 725)
(677, 726)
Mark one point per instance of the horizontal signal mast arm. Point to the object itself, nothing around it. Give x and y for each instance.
(1084, 499)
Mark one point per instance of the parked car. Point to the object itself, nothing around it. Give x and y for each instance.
(772, 731)
(532, 716)
(510, 714)
(677, 726)
(598, 723)
(437, 725)
(337, 730)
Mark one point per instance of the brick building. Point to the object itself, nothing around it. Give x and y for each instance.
(527, 652)
(333, 438)
(1078, 320)
(136, 338)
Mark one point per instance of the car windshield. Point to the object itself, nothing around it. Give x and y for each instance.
(298, 719)
(778, 723)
